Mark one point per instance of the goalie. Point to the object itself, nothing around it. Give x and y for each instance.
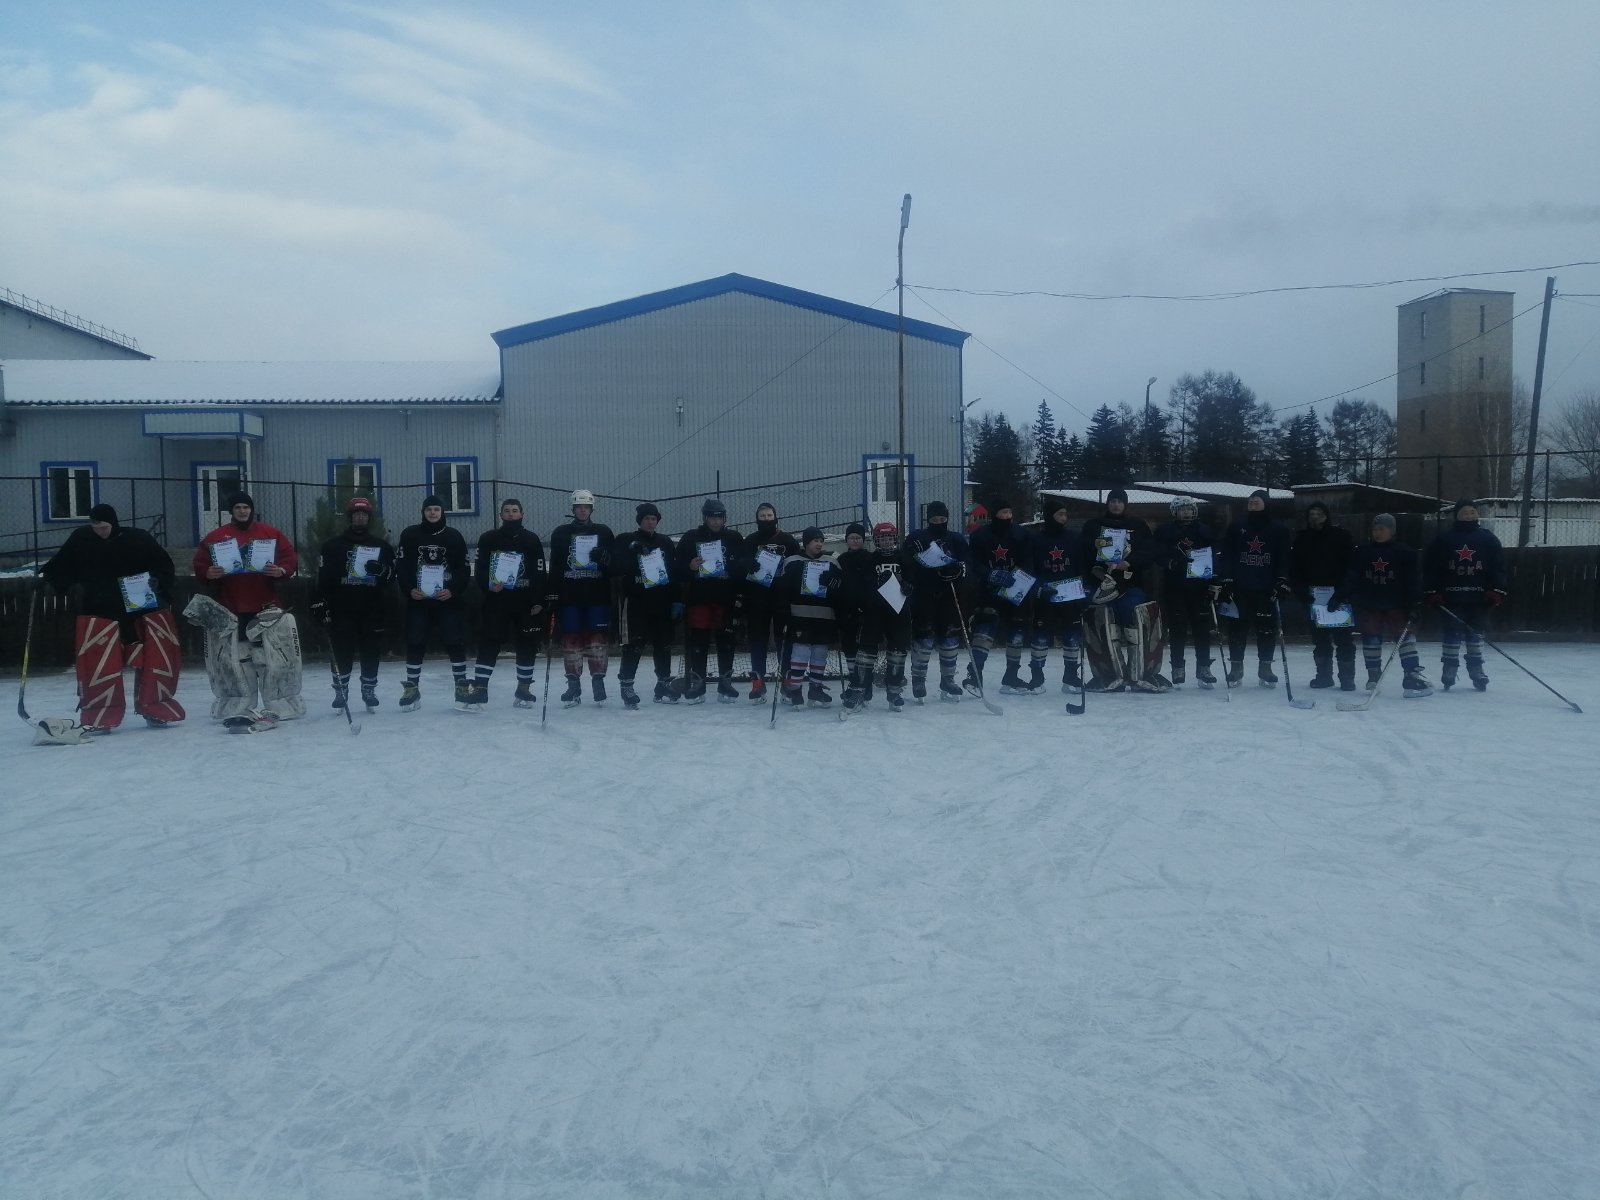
(1123, 635)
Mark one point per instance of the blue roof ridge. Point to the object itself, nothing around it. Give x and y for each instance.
(688, 293)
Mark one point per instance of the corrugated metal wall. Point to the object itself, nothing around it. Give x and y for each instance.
(769, 391)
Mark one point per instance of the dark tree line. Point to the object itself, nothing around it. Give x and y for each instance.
(1212, 428)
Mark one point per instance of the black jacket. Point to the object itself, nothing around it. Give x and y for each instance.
(856, 586)
(529, 590)
(705, 589)
(1255, 553)
(998, 549)
(1320, 558)
(948, 540)
(1059, 553)
(347, 587)
(425, 545)
(771, 539)
(94, 563)
(580, 583)
(1140, 553)
(627, 552)
(1175, 541)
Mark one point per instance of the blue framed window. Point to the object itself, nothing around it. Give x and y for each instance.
(356, 477)
(69, 491)
(455, 481)
(881, 486)
(214, 483)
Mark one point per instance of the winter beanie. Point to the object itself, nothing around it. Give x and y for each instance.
(1116, 494)
(936, 508)
(1260, 494)
(812, 534)
(1322, 506)
(646, 510)
(713, 508)
(1384, 521)
(432, 502)
(855, 527)
(104, 512)
(1460, 504)
(239, 498)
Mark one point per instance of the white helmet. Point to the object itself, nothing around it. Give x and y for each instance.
(583, 496)
(1179, 503)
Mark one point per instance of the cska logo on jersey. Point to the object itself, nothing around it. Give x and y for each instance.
(1000, 555)
(1256, 554)
(1466, 561)
(1379, 571)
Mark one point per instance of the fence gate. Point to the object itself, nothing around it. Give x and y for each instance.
(213, 484)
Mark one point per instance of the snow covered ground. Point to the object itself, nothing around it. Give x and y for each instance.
(1174, 948)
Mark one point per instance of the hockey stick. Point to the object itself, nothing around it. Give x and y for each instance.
(549, 657)
(27, 648)
(1078, 709)
(1216, 631)
(1505, 656)
(1283, 653)
(342, 690)
(966, 643)
(783, 673)
(1363, 705)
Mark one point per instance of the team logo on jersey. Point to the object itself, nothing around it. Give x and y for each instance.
(1000, 555)
(1256, 554)
(1058, 557)
(1378, 570)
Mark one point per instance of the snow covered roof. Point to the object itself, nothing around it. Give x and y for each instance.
(1098, 495)
(1212, 491)
(45, 382)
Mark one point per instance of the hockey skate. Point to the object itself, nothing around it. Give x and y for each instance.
(1203, 676)
(573, 696)
(410, 696)
(1178, 676)
(1236, 672)
(1447, 673)
(523, 697)
(726, 692)
(1264, 673)
(817, 696)
(949, 689)
(1475, 673)
(1414, 685)
(667, 692)
(597, 688)
(630, 698)
(1011, 682)
(758, 690)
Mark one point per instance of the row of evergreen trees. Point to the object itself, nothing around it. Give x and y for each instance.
(1211, 428)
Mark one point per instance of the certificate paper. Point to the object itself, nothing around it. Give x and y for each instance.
(138, 593)
(1065, 591)
(893, 594)
(583, 544)
(360, 556)
(1116, 550)
(766, 569)
(260, 554)
(1329, 618)
(226, 555)
(712, 563)
(430, 579)
(934, 557)
(653, 569)
(1228, 609)
(1021, 584)
(1200, 565)
(505, 567)
(811, 583)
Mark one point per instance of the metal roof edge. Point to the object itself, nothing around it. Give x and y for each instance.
(619, 310)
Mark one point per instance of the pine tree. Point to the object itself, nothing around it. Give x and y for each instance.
(1104, 461)
(1300, 450)
(997, 467)
(1045, 467)
(1361, 442)
(1228, 433)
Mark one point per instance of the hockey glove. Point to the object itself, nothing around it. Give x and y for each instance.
(1223, 592)
(1494, 597)
(1002, 580)
(374, 568)
(1338, 600)
(600, 556)
(830, 578)
(319, 612)
(1283, 590)
(951, 572)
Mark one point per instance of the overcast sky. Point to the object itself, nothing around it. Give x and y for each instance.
(345, 181)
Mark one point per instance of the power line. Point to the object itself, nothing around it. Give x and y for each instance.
(760, 387)
(950, 320)
(1266, 291)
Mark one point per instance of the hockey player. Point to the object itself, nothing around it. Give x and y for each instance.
(710, 562)
(881, 623)
(762, 609)
(644, 561)
(1188, 569)
(855, 564)
(1124, 629)
(1059, 562)
(1384, 586)
(580, 595)
(811, 583)
(1255, 576)
(935, 557)
(1464, 570)
(510, 569)
(353, 578)
(1002, 590)
(431, 566)
(1320, 558)
(124, 618)
(252, 656)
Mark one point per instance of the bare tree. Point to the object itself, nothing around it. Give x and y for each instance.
(1574, 429)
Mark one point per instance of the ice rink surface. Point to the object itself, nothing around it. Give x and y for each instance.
(1177, 947)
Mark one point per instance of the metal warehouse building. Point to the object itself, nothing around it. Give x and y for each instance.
(732, 385)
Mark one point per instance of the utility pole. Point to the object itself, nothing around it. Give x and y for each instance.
(1525, 516)
(900, 285)
(1149, 449)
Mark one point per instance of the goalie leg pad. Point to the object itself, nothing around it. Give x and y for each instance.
(155, 679)
(101, 700)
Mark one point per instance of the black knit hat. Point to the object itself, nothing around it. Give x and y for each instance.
(812, 534)
(1117, 494)
(855, 527)
(1464, 502)
(103, 512)
(431, 502)
(713, 508)
(646, 510)
(1318, 504)
(936, 508)
(997, 504)
(1053, 505)
(239, 498)
(1260, 494)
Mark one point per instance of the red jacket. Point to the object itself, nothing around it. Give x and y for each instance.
(250, 591)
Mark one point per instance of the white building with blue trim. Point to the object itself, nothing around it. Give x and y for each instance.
(734, 384)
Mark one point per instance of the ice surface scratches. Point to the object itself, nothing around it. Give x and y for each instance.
(1174, 948)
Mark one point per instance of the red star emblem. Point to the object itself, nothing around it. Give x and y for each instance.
(1255, 545)
(1380, 565)
(1057, 555)
(1466, 554)
(1000, 553)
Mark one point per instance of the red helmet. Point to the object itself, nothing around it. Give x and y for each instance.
(358, 504)
(885, 529)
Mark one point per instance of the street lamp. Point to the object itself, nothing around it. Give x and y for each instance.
(961, 484)
(900, 284)
(1147, 448)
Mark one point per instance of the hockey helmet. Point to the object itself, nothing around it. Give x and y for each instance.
(885, 532)
(583, 496)
(358, 504)
(1179, 503)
